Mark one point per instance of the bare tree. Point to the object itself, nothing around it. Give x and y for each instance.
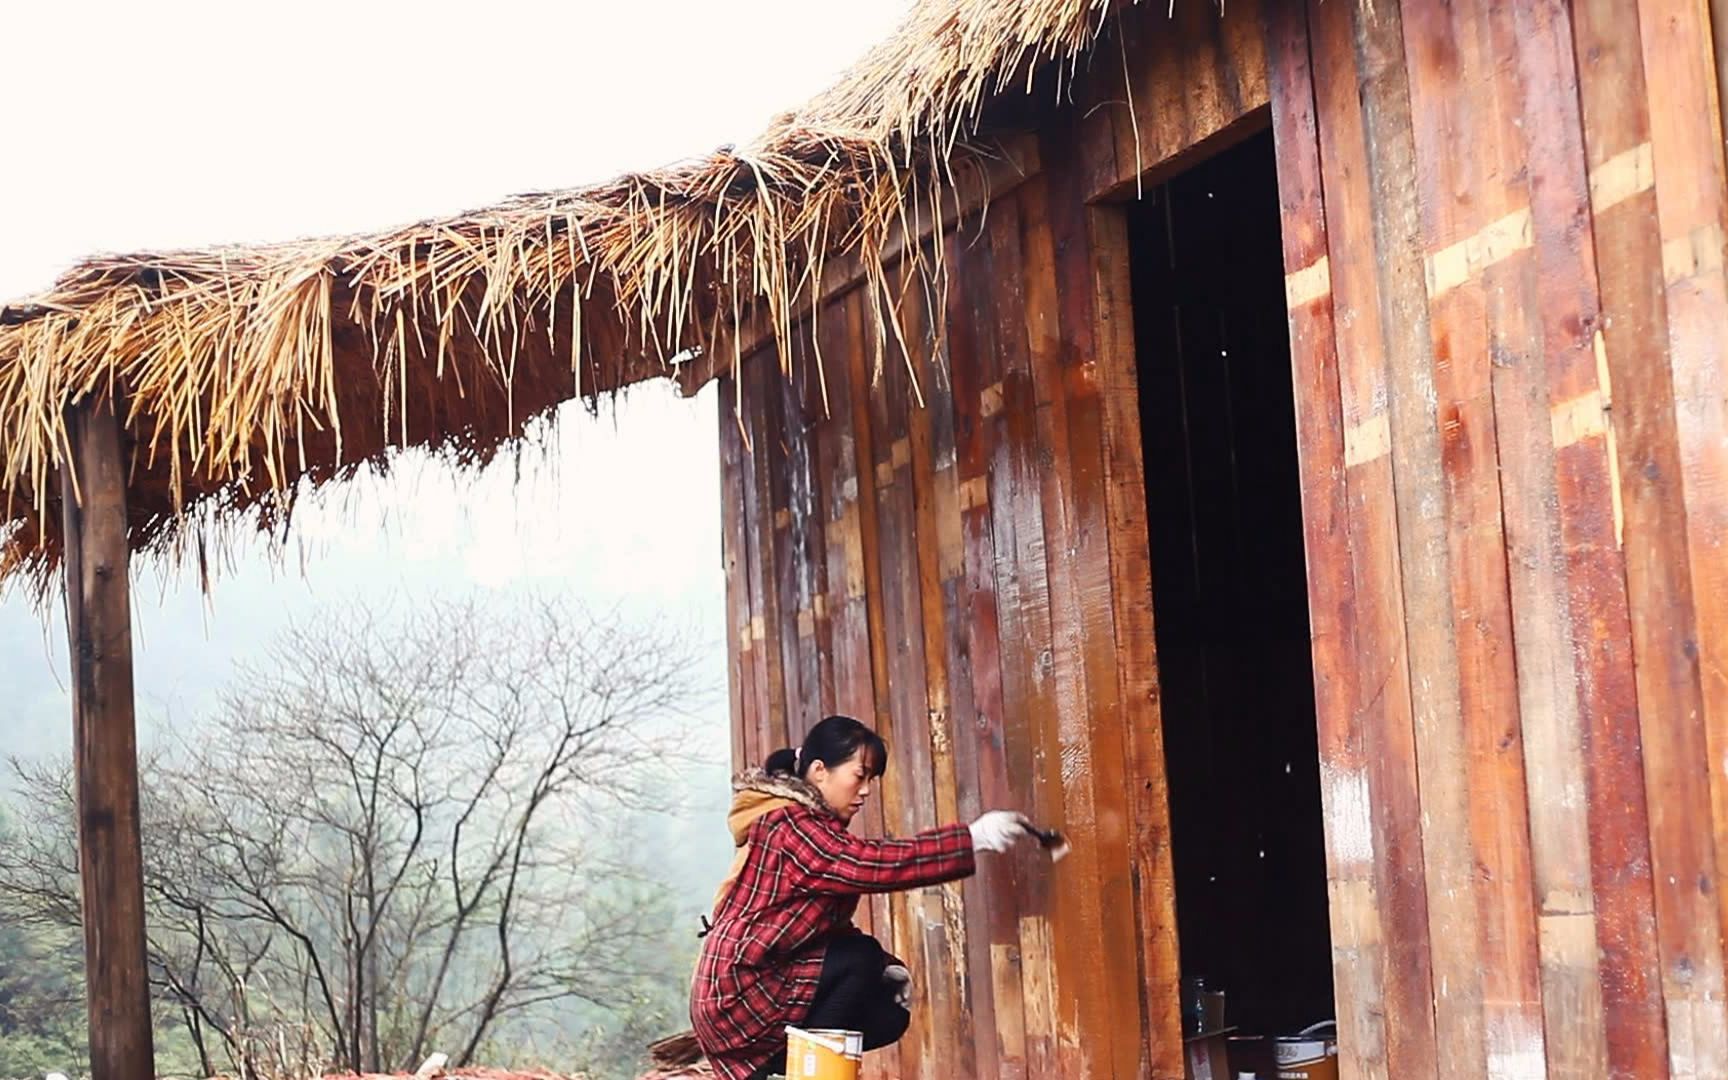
(396, 835)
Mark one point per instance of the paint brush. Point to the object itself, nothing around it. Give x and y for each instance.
(1052, 841)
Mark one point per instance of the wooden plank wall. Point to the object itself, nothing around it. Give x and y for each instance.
(966, 604)
(958, 624)
(1504, 253)
(955, 550)
(1504, 241)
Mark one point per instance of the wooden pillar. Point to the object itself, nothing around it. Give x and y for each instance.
(105, 756)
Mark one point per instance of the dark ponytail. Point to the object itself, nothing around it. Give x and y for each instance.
(834, 741)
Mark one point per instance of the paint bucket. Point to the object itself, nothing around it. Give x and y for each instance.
(823, 1054)
(1310, 1054)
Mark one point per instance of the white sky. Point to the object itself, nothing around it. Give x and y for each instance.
(183, 123)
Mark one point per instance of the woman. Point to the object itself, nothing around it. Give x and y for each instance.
(782, 948)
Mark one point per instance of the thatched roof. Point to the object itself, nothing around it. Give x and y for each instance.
(249, 374)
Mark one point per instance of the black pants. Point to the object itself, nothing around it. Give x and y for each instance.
(852, 995)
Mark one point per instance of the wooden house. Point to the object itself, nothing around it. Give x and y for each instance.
(1285, 447)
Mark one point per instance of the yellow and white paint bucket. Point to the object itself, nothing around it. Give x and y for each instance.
(823, 1054)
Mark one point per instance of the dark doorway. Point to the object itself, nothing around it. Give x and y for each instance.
(1229, 590)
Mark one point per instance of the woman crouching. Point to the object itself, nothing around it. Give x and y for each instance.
(782, 948)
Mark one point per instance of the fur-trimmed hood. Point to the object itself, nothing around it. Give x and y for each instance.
(756, 793)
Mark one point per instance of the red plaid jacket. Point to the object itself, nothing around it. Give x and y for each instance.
(799, 884)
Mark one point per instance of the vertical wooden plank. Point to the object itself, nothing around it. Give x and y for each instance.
(1081, 941)
(909, 677)
(971, 343)
(105, 748)
(1424, 509)
(735, 557)
(854, 692)
(770, 684)
(799, 539)
(1645, 470)
(1077, 269)
(1719, 34)
(1383, 688)
(817, 490)
(773, 522)
(906, 790)
(959, 794)
(935, 519)
(881, 567)
(850, 571)
(1061, 791)
(1686, 758)
(1108, 553)
(1358, 923)
(1487, 368)
(783, 543)
(1567, 578)
(1023, 610)
(1141, 723)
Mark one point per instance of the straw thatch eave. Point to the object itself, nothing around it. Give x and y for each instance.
(247, 375)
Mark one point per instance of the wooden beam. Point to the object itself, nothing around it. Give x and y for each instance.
(1644, 592)
(1181, 85)
(1390, 916)
(936, 531)
(735, 564)
(1358, 918)
(995, 284)
(105, 754)
(972, 351)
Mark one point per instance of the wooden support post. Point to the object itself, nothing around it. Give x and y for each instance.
(99, 631)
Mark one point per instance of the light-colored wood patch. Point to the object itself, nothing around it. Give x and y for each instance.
(1605, 387)
(1580, 418)
(900, 454)
(853, 544)
(1623, 176)
(1308, 284)
(1365, 442)
(1005, 977)
(990, 400)
(1035, 972)
(782, 519)
(1455, 264)
(974, 493)
(1567, 925)
(1698, 252)
(954, 919)
(1355, 912)
(950, 539)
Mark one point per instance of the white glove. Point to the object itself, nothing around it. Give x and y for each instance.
(996, 830)
(902, 980)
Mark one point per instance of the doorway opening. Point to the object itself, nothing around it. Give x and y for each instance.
(1230, 594)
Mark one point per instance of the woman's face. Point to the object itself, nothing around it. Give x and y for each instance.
(846, 785)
